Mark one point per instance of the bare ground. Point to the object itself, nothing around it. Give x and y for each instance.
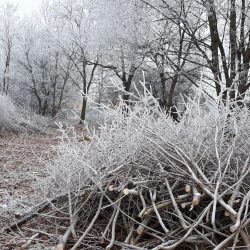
(22, 160)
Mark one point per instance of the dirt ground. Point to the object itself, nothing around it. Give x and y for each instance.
(22, 161)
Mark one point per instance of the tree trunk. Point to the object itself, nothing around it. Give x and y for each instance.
(44, 108)
(53, 112)
(5, 74)
(171, 109)
(83, 111)
(126, 96)
(62, 93)
(163, 90)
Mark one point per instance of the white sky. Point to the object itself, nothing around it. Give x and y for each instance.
(25, 6)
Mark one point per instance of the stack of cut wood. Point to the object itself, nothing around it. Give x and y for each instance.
(144, 182)
(136, 207)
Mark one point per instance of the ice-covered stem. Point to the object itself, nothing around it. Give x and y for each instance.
(78, 243)
(157, 213)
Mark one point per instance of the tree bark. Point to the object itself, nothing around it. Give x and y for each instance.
(170, 108)
(163, 90)
(6, 72)
(83, 110)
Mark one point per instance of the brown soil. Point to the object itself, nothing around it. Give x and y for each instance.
(22, 160)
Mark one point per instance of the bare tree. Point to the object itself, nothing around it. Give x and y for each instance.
(41, 70)
(8, 23)
(77, 47)
(122, 40)
(172, 54)
(221, 37)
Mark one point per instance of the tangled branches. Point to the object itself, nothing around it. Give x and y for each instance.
(144, 182)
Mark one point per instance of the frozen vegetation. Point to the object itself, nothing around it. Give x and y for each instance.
(143, 181)
(125, 124)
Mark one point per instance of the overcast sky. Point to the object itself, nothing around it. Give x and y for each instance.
(26, 6)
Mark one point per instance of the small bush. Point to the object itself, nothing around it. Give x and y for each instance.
(15, 118)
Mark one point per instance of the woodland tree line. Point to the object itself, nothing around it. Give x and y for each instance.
(73, 48)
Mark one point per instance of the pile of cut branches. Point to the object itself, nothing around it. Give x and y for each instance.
(143, 182)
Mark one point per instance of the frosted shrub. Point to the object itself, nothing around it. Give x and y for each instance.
(143, 171)
(8, 113)
(16, 118)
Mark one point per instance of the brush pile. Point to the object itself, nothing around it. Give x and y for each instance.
(144, 182)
